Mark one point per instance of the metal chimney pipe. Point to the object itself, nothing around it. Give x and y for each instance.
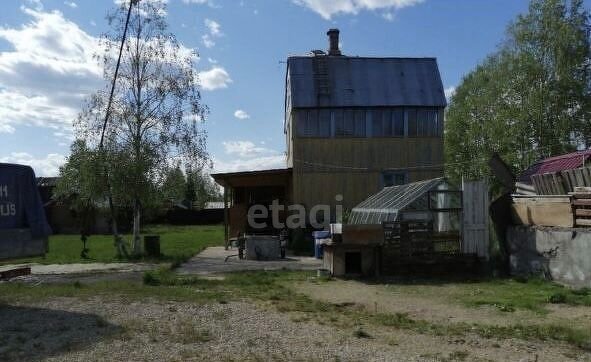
(333, 36)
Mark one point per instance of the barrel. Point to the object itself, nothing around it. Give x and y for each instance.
(152, 245)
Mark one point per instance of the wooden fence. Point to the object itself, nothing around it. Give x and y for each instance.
(475, 231)
(563, 182)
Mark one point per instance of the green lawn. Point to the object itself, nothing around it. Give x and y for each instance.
(177, 243)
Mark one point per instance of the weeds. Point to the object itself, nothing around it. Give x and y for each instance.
(360, 333)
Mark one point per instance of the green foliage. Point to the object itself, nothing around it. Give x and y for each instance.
(200, 188)
(557, 298)
(177, 244)
(173, 187)
(508, 295)
(530, 99)
(156, 114)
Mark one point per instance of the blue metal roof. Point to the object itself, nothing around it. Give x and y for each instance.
(364, 82)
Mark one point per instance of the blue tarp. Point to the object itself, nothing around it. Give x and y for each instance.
(20, 203)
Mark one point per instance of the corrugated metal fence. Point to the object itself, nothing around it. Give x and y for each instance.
(475, 218)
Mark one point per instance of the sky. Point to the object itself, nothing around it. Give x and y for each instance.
(47, 68)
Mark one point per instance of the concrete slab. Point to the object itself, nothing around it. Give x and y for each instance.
(212, 261)
(82, 268)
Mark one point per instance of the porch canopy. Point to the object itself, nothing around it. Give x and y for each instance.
(279, 176)
(387, 204)
(247, 188)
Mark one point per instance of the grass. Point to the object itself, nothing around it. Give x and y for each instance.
(508, 295)
(273, 290)
(177, 243)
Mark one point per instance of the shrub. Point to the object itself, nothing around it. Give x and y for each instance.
(557, 298)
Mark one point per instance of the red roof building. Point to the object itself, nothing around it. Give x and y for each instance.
(568, 161)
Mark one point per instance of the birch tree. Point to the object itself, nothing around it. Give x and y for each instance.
(157, 115)
(528, 100)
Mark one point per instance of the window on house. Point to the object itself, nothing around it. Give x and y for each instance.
(388, 123)
(324, 123)
(349, 123)
(423, 123)
(393, 178)
(398, 123)
(313, 123)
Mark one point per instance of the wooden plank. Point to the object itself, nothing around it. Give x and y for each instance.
(586, 175)
(539, 184)
(584, 189)
(583, 222)
(543, 199)
(567, 181)
(583, 212)
(579, 176)
(581, 195)
(13, 273)
(543, 214)
(581, 202)
(559, 183)
(475, 218)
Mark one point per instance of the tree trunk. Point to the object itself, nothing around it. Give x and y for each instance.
(137, 242)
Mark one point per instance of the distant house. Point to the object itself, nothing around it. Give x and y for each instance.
(353, 125)
(557, 175)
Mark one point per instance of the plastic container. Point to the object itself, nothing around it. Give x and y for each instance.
(318, 249)
(321, 234)
(319, 237)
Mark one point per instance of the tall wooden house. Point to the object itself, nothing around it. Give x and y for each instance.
(352, 125)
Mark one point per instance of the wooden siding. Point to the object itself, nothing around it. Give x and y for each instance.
(352, 167)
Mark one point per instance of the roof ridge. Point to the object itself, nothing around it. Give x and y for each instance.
(567, 155)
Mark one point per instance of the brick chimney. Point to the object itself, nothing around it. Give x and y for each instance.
(333, 37)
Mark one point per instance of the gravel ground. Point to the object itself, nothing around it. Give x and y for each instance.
(436, 308)
(97, 330)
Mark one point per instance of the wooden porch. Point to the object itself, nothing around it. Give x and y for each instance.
(245, 189)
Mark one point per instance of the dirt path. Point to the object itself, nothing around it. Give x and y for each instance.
(119, 330)
(434, 304)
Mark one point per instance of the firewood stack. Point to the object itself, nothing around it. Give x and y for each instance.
(581, 202)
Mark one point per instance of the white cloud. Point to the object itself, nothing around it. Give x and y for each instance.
(209, 3)
(71, 4)
(245, 149)
(159, 4)
(388, 16)
(36, 4)
(215, 78)
(449, 92)
(46, 166)
(253, 164)
(212, 61)
(48, 73)
(215, 29)
(6, 128)
(247, 156)
(207, 41)
(240, 114)
(328, 8)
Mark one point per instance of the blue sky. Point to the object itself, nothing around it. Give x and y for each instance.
(46, 65)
